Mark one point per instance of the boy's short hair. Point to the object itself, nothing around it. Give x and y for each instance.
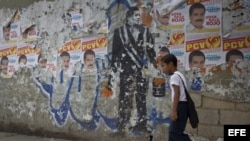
(165, 49)
(170, 58)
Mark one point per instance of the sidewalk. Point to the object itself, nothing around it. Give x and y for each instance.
(17, 137)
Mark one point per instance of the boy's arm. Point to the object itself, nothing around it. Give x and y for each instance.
(174, 115)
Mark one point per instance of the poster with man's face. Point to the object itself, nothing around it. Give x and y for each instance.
(94, 50)
(203, 34)
(27, 55)
(30, 33)
(203, 16)
(237, 46)
(8, 57)
(68, 55)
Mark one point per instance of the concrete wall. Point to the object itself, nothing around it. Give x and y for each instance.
(35, 101)
(214, 114)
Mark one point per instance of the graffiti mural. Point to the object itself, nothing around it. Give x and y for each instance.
(95, 62)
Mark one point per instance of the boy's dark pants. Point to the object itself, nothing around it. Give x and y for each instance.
(176, 128)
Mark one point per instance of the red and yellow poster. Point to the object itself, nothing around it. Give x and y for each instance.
(203, 34)
(69, 54)
(94, 50)
(27, 55)
(173, 23)
(237, 46)
(8, 60)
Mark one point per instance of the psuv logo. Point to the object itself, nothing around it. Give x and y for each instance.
(236, 132)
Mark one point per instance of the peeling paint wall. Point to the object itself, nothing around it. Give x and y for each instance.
(49, 100)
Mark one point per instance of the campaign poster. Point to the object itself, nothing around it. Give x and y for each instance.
(177, 35)
(10, 31)
(94, 51)
(30, 33)
(68, 55)
(203, 34)
(15, 27)
(203, 39)
(203, 16)
(165, 20)
(76, 16)
(240, 36)
(237, 46)
(236, 43)
(174, 22)
(8, 56)
(5, 34)
(235, 13)
(27, 55)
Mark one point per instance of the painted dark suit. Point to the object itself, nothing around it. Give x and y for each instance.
(130, 54)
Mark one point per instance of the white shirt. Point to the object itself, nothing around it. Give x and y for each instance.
(176, 80)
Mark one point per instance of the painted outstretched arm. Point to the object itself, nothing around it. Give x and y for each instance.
(150, 49)
(115, 57)
(116, 51)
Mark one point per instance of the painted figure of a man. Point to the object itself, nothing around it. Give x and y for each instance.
(132, 49)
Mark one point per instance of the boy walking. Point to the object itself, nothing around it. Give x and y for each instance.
(179, 113)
